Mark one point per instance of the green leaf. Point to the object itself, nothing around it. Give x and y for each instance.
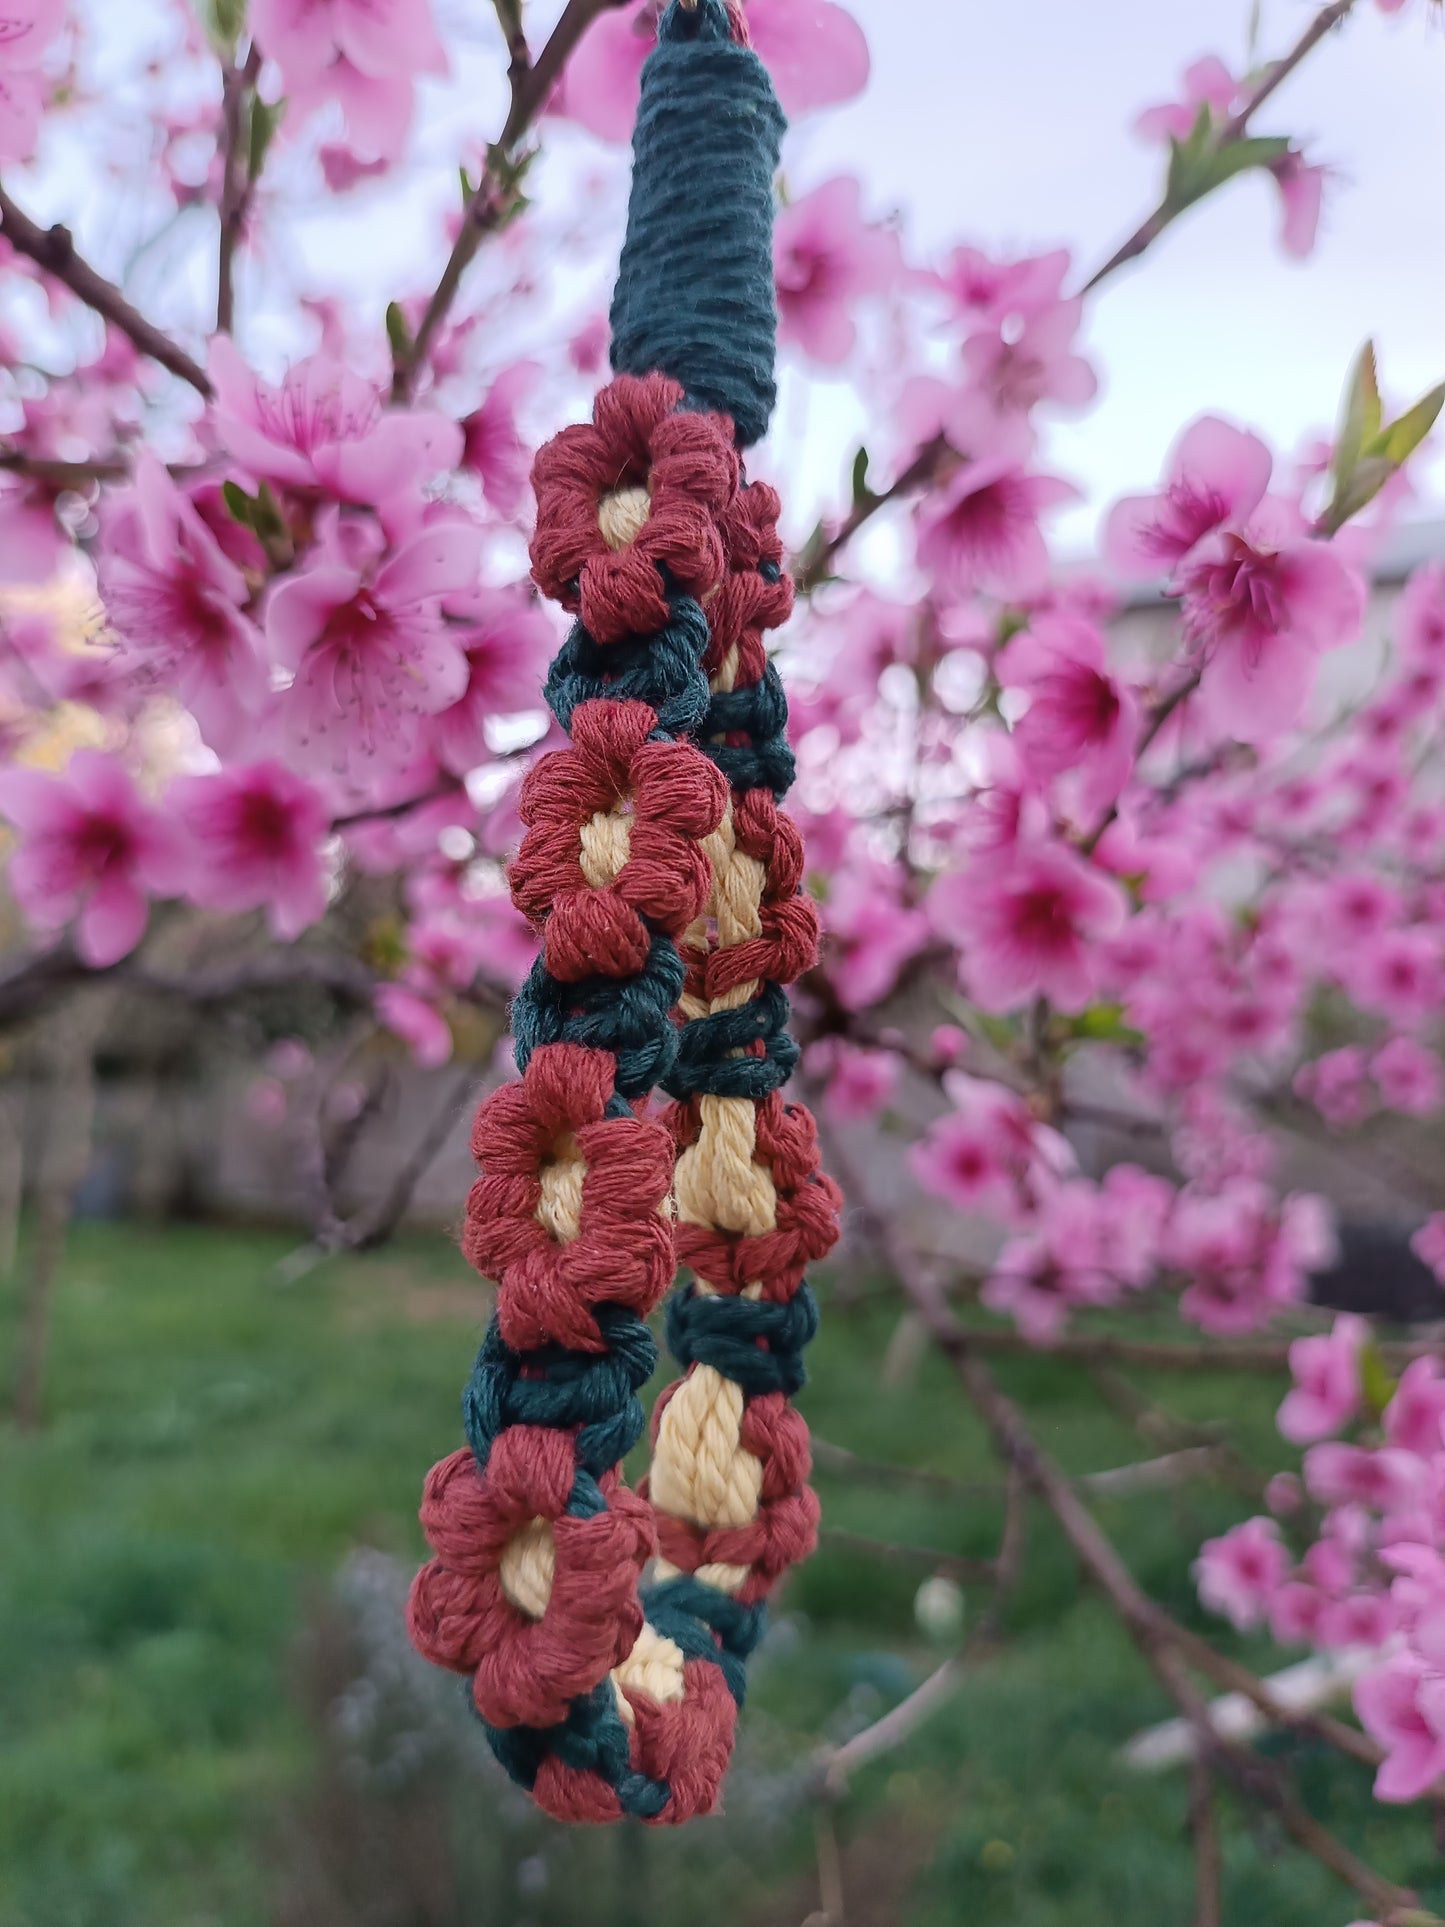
(1198, 164)
(1360, 420)
(1384, 451)
(243, 508)
(224, 21)
(1399, 441)
(270, 522)
(1102, 1024)
(1377, 1381)
(265, 119)
(468, 188)
(398, 333)
(861, 491)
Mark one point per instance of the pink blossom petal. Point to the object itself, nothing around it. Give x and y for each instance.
(112, 922)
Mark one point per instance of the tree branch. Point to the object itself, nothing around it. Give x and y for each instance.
(947, 1564)
(834, 1764)
(1204, 1831)
(492, 199)
(237, 181)
(1149, 230)
(1161, 1643)
(53, 249)
(26, 986)
(815, 562)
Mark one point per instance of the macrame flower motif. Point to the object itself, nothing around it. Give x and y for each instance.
(537, 1614)
(755, 595)
(807, 1209)
(784, 1529)
(571, 1208)
(612, 851)
(631, 505)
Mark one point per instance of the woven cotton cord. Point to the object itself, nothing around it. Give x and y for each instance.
(533, 1592)
(635, 844)
(730, 1455)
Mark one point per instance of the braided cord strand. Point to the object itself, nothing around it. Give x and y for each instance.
(730, 1459)
(665, 886)
(533, 1592)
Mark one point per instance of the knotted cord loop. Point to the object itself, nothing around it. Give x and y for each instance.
(665, 886)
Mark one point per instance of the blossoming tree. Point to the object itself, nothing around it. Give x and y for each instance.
(287, 748)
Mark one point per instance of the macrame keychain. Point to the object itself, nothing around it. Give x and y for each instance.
(605, 1632)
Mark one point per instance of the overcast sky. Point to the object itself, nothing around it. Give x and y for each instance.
(1010, 125)
(1004, 125)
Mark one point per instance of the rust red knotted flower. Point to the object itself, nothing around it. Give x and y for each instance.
(527, 1670)
(637, 440)
(617, 1251)
(611, 852)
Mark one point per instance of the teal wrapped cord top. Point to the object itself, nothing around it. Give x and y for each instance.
(694, 295)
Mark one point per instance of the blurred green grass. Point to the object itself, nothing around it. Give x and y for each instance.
(217, 1443)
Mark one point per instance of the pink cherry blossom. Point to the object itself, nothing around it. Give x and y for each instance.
(26, 33)
(363, 53)
(1080, 717)
(506, 640)
(257, 832)
(1260, 608)
(267, 1103)
(1031, 1285)
(369, 646)
(1400, 975)
(1028, 925)
(1420, 616)
(983, 291)
(1326, 1373)
(1428, 1244)
(1207, 83)
(1238, 1573)
(1244, 1253)
(328, 430)
(1414, 1416)
(980, 529)
(1295, 1611)
(1016, 369)
(494, 449)
(948, 1044)
(857, 1083)
(985, 1154)
(417, 1022)
(1337, 1084)
(826, 257)
(872, 933)
(90, 849)
(1381, 1479)
(1408, 1077)
(814, 50)
(176, 602)
(1217, 474)
(1402, 1707)
(1301, 187)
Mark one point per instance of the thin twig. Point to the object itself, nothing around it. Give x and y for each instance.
(815, 564)
(888, 1552)
(53, 249)
(1149, 230)
(1155, 1635)
(835, 1764)
(493, 199)
(1160, 715)
(51, 472)
(238, 183)
(1204, 1831)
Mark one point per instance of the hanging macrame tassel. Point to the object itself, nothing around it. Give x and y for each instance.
(666, 888)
